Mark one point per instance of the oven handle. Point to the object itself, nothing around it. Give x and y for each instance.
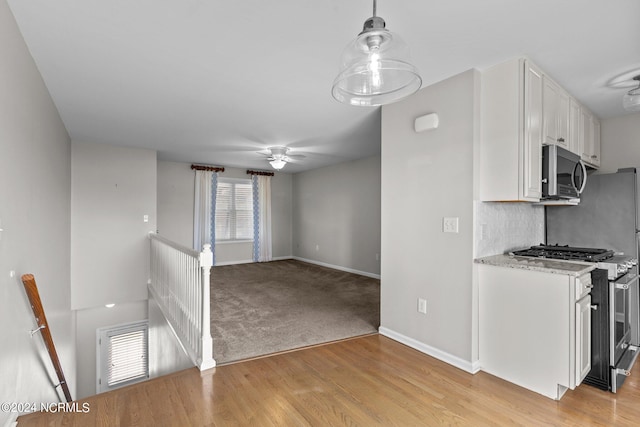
(631, 279)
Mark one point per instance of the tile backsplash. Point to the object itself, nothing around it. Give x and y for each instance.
(505, 226)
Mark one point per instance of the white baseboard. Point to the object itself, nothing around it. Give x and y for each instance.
(465, 365)
(244, 261)
(249, 261)
(337, 267)
(310, 261)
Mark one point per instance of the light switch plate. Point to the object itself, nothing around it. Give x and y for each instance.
(450, 225)
(422, 305)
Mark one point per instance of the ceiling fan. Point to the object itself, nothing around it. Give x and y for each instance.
(280, 157)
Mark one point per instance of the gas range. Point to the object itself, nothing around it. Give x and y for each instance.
(616, 265)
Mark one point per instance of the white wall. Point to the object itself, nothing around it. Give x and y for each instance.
(175, 202)
(175, 211)
(425, 177)
(336, 215)
(88, 321)
(35, 173)
(166, 353)
(112, 189)
(620, 143)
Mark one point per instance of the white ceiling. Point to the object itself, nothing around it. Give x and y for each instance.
(214, 82)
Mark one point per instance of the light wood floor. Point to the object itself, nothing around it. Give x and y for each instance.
(364, 381)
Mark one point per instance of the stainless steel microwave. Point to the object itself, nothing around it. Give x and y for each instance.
(564, 176)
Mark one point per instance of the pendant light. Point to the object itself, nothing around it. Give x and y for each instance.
(631, 100)
(375, 67)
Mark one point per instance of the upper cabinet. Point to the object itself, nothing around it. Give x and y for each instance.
(575, 115)
(556, 114)
(521, 110)
(511, 147)
(590, 137)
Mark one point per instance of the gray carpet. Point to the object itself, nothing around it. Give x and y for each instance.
(262, 308)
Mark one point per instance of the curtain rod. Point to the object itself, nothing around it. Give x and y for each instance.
(250, 172)
(207, 168)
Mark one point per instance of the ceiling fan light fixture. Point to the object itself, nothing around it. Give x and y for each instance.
(277, 164)
(631, 100)
(278, 158)
(375, 67)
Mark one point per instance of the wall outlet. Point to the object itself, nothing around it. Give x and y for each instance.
(317, 248)
(450, 225)
(422, 305)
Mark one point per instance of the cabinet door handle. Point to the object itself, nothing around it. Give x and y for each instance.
(594, 307)
(560, 139)
(594, 157)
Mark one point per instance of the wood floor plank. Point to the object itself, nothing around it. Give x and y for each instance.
(365, 381)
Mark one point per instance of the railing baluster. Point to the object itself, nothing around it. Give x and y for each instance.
(180, 284)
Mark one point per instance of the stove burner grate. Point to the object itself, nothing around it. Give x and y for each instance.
(566, 253)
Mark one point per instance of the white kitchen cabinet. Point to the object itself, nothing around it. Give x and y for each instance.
(575, 142)
(590, 137)
(556, 114)
(583, 338)
(534, 328)
(511, 147)
(595, 152)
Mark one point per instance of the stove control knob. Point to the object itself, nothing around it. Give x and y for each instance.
(633, 261)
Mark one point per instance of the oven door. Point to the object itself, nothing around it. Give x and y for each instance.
(623, 292)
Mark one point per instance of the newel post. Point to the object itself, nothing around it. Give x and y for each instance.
(206, 356)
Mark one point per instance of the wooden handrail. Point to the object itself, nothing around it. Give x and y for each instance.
(31, 288)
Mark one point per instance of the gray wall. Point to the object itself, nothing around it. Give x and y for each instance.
(620, 142)
(113, 188)
(425, 177)
(336, 215)
(88, 321)
(166, 354)
(175, 211)
(35, 174)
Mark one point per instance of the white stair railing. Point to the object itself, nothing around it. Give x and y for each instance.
(180, 280)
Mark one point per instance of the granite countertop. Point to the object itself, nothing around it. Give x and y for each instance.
(571, 268)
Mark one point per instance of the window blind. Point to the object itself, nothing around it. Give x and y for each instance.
(234, 210)
(123, 355)
(127, 358)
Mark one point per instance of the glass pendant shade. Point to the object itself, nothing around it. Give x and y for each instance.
(631, 100)
(277, 164)
(375, 68)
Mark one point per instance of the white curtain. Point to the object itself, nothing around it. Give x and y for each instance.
(203, 209)
(261, 218)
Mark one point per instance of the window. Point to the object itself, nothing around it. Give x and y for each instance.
(123, 355)
(234, 210)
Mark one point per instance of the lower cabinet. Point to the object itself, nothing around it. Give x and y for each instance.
(534, 328)
(583, 338)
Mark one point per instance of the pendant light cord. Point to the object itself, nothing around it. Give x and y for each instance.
(375, 7)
